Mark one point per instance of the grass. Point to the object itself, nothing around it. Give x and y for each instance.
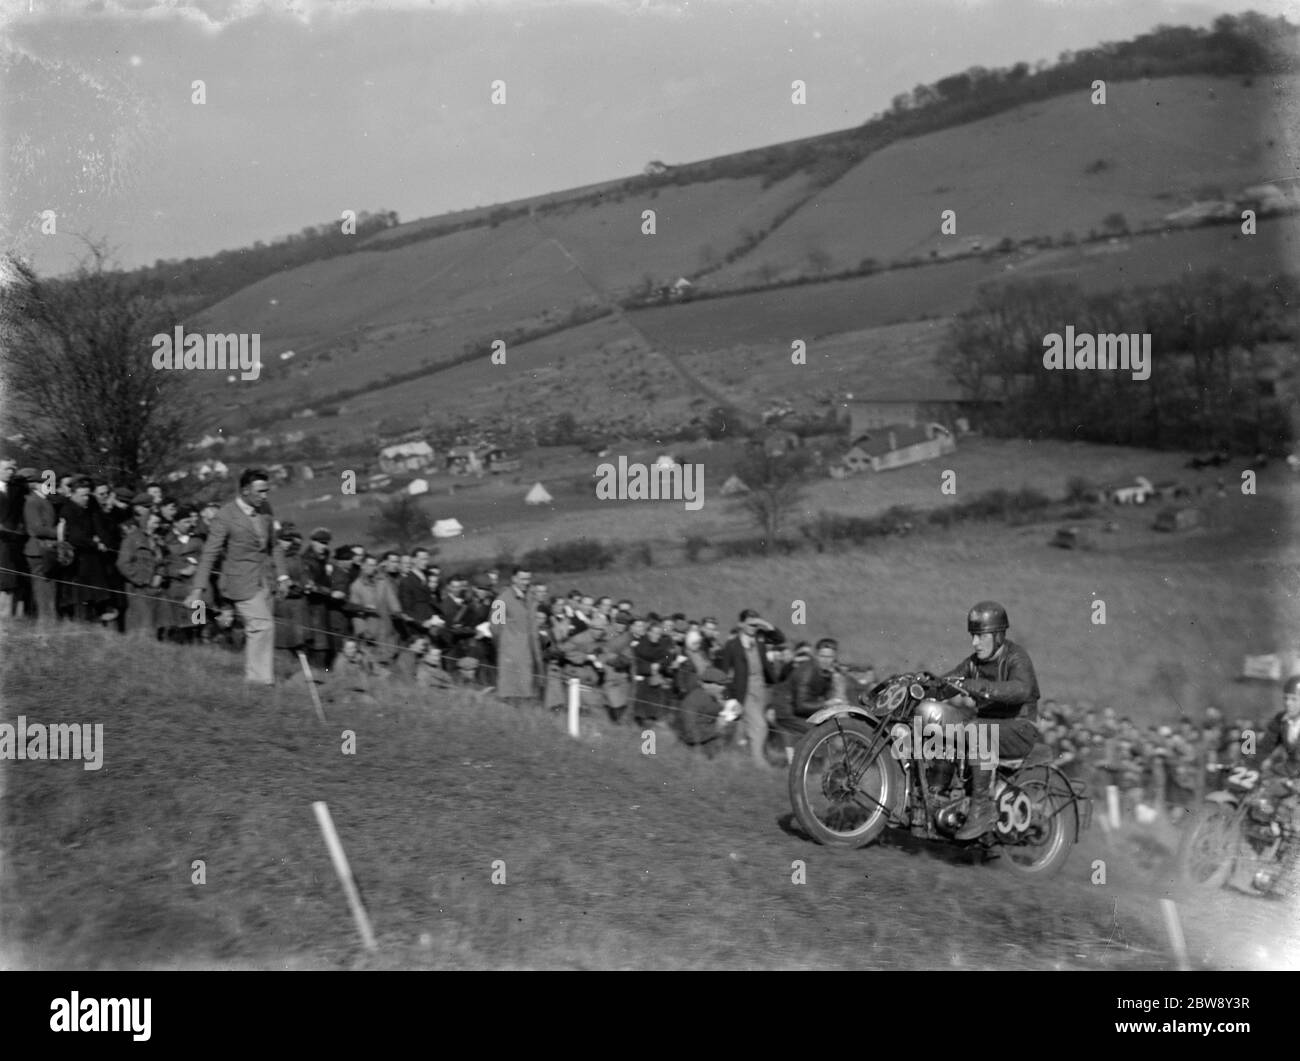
(612, 858)
(1023, 173)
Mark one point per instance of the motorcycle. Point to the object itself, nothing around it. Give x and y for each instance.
(849, 779)
(1240, 835)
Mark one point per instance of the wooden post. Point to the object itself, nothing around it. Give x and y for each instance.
(1175, 929)
(1159, 784)
(311, 684)
(575, 702)
(1112, 804)
(344, 872)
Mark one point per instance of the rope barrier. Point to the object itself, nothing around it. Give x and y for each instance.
(397, 646)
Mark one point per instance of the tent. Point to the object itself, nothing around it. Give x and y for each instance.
(538, 496)
(447, 528)
(734, 485)
(418, 486)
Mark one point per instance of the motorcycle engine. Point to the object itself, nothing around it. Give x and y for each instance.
(951, 814)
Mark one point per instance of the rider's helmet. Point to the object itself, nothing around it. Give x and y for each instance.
(988, 617)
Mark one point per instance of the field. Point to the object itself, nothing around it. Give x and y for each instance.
(494, 506)
(612, 858)
(813, 311)
(1163, 144)
(356, 319)
(899, 602)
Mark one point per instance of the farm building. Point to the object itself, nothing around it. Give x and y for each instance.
(898, 445)
(406, 457)
(475, 460)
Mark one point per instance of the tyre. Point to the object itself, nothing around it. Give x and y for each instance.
(839, 795)
(1053, 824)
(1207, 852)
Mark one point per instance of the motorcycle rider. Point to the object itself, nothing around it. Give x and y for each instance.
(1279, 751)
(999, 676)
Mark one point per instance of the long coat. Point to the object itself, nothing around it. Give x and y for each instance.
(291, 611)
(172, 611)
(519, 653)
(142, 563)
(86, 578)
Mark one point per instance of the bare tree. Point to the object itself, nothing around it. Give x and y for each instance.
(776, 488)
(401, 520)
(77, 366)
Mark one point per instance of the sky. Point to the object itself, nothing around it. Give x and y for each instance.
(312, 108)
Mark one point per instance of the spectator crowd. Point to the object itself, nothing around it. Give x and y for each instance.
(79, 550)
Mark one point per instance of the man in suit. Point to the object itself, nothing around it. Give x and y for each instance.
(413, 590)
(744, 659)
(12, 536)
(42, 534)
(242, 538)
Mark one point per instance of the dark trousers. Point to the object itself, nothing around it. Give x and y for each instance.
(1016, 736)
(44, 597)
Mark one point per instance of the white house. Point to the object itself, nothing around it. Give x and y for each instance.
(406, 457)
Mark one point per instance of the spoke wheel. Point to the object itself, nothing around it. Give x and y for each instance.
(840, 792)
(1209, 848)
(1046, 843)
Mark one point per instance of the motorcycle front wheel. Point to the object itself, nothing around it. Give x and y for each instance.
(1208, 850)
(840, 791)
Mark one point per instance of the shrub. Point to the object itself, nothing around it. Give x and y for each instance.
(741, 547)
(693, 546)
(580, 555)
(640, 553)
(1079, 488)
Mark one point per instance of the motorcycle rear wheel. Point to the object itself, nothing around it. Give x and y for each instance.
(832, 811)
(1208, 850)
(1054, 818)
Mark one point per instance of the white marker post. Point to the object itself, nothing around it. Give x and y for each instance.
(1175, 929)
(344, 872)
(311, 684)
(1112, 804)
(575, 702)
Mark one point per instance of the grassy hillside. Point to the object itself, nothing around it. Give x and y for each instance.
(1182, 609)
(1061, 165)
(612, 858)
(357, 319)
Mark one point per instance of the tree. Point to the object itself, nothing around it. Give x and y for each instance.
(819, 260)
(401, 521)
(78, 370)
(1115, 222)
(776, 488)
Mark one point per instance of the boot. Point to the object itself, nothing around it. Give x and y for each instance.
(983, 815)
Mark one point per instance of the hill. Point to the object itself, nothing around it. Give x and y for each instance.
(611, 858)
(1062, 165)
(355, 321)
